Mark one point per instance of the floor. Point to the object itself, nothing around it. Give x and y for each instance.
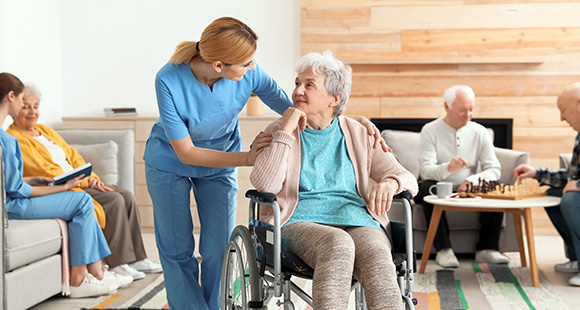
(549, 252)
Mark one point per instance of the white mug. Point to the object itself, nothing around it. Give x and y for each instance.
(444, 189)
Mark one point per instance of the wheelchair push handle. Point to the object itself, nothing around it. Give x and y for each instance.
(261, 196)
(404, 195)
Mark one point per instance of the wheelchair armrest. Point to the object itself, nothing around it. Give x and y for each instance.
(260, 196)
(404, 195)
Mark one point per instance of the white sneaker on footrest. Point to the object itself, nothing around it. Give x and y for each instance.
(491, 256)
(146, 266)
(127, 270)
(569, 267)
(446, 258)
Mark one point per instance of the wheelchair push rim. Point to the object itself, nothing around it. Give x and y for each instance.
(240, 279)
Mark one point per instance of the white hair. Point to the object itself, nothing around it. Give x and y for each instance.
(338, 75)
(31, 90)
(451, 92)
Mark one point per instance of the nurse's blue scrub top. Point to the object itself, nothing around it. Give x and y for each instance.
(210, 118)
(16, 189)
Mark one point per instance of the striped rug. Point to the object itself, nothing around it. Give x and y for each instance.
(150, 297)
(484, 286)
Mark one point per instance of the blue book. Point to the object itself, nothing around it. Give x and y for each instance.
(85, 169)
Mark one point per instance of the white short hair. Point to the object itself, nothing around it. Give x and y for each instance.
(31, 90)
(451, 92)
(338, 75)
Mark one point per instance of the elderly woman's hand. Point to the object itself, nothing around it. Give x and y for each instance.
(293, 118)
(382, 196)
(96, 184)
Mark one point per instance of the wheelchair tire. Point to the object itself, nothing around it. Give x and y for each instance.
(240, 278)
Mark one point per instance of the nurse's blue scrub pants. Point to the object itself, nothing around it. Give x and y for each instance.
(216, 198)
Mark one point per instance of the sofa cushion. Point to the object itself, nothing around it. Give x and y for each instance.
(103, 156)
(28, 241)
(405, 145)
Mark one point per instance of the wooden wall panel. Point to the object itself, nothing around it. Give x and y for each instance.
(493, 16)
(414, 86)
(486, 39)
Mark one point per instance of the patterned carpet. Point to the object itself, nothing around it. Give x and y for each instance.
(484, 286)
(150, 297)
(471, 286)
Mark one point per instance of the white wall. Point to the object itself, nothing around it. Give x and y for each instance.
(30, 49)
(86, 55)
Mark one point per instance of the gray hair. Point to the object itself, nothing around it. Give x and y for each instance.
(451, 92)
(338, 75)
(31, 90)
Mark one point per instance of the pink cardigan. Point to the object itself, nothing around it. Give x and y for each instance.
(277, 168)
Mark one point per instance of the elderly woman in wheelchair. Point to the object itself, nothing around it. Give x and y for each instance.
(318, 165)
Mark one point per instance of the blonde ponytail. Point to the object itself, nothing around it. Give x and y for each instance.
(184, 52)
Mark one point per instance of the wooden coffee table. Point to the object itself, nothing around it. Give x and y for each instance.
(519, 208)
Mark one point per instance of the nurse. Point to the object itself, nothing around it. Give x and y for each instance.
(196, 145)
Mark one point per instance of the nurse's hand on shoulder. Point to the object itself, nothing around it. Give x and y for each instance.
(293, 118)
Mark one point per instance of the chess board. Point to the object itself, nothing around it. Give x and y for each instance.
(510, 197)
(522, 189)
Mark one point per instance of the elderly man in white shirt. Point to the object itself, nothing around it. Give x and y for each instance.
(452, 147)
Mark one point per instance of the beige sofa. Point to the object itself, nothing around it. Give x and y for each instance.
(463, 226)
(31, 260)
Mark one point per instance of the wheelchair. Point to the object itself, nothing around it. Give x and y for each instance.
(255, 269)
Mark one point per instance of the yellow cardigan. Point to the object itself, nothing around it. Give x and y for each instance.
(38, 161)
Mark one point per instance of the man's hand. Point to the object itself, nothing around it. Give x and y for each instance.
(464, 187)
(96, 184)
(571, 187)
(456, 163)
(524, 171)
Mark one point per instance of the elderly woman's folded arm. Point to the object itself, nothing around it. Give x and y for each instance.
(270, 167)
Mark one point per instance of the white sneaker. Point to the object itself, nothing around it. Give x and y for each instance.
(446, 258)
(119, 279)
(569, 267)
(91, 287)
(147, 266)
(491, 256)
(575, 280)
(127, 270)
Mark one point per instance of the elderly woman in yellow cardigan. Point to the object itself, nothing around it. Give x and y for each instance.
(46, 153)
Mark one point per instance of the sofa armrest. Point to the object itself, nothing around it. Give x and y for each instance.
(565, 160)
(125, 140)
(509, 159)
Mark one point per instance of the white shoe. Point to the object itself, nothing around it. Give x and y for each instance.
(446, 258)
(91, 287)
(569, 267)
(491, 256)
(119, 279)
(127, 270)
(147, 266)
(575, 280)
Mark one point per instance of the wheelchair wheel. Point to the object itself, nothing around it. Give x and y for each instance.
(240, 278)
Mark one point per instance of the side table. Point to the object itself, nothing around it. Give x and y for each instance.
(519, 208)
